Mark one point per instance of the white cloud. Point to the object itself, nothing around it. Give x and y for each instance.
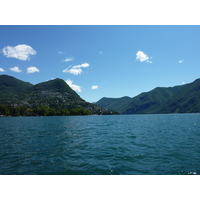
(180, 61)
(100, 52)
(183, 82)
(2, 70)
(141, 56)
(74, 87)
(32, 70)
(82, 65)
(94, 87)
(60, 52)
(73, 71)
(21, 52)
(69, 59)
(15, 69)
(76, 69)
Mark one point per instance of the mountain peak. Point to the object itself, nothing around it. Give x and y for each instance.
(11, 86)
(55, 85)
(54, 94)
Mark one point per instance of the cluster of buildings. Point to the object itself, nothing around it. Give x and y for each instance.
(56, 100)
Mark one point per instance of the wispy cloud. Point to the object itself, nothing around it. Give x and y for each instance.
(60, 52)
(73, 71)
(32, 70)
(15, 69)
(68, 59)
(180, 61)
(2, 70)
(94, 87)
(76, 69)
(74, 87)
(21, 52)
(82, 65)
(100, 52)
(142, 57)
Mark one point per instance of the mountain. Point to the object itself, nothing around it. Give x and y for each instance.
(54, 94)
(11, 86)
(117, 104)
(178, 99)
(55, 85)
(149, 102)
(186, 100)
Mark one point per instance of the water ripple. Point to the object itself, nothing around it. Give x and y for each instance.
(123, 144)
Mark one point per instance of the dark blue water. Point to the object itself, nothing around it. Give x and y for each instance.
(119, 144)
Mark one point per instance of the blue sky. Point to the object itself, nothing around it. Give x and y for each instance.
(102, 61)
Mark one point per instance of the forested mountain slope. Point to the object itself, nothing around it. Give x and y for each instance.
(178, 99)
(51, 96)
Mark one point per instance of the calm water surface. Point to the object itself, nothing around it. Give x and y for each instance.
(101, 145)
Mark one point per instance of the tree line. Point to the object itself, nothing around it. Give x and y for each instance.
(42, 110)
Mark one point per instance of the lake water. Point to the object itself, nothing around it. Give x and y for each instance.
(101, 145)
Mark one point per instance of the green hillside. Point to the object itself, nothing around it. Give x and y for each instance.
(117, 104)
(11, 86)
(149, 102)
(55, 85)
(178, 99)
(146, 102)
(53, 97)
(186, 100)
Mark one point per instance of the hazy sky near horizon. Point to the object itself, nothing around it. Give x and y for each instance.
(102, 61)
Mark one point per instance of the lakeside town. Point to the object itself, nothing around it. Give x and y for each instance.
(49, 103)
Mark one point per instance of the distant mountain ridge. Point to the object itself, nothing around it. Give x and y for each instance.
(57, 94)
(177, 99)
(54, 94)
(118, 104)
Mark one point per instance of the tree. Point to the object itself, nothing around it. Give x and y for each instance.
(22, 110)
